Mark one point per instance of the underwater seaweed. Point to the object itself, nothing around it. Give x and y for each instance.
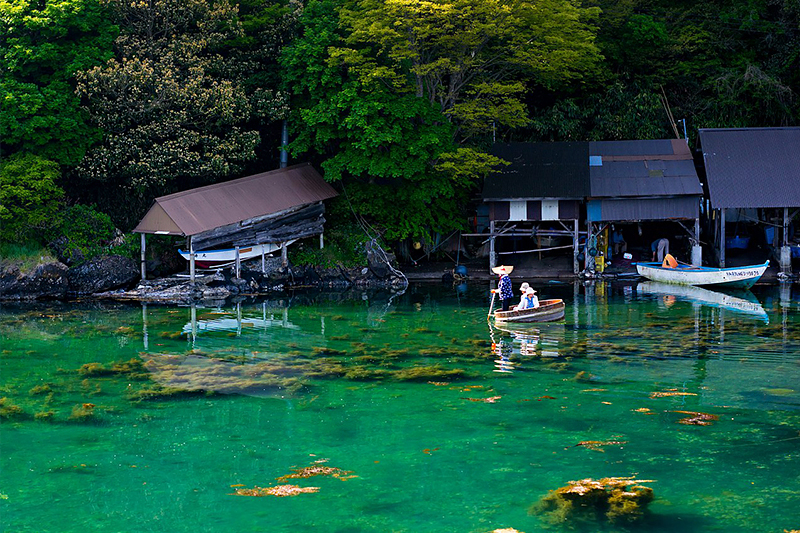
(280, 491)
(612, 499)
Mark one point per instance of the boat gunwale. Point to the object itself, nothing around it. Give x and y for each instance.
(679, 268)
(546, 307)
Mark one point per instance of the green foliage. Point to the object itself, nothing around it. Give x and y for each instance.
(619, 112)
(29, 197)
(42, 46)
(344, 246)
(389, 140)
(174, 117)
(25, 257)
(468, 56)
(81, 233)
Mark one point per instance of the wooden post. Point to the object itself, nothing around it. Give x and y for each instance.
(785, 241)
(321, 241)
(697, 250)
(191, 260)
(575, 248)
(284, 255)
(263, 261)
(722, 237)
(587, 259)
(238, 263)
(143, 265)
(492, 254)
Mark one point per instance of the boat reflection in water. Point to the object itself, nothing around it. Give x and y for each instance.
(742, 301)
(215, 364)
(225, 322)
(513, 341)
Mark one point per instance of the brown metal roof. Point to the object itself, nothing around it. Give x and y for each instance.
(205, 208)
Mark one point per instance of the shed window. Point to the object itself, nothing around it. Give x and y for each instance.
(549, 209)
(519, 210)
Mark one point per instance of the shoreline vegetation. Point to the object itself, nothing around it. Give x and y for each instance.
(110, 104)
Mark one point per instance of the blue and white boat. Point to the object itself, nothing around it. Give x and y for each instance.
(742, 277)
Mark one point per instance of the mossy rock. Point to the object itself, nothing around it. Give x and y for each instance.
(429, 373)
(10, 410)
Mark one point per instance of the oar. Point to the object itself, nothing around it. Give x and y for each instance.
(491, 306)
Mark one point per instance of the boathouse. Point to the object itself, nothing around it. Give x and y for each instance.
(272, 207)
(642, 181)
(753, 180)
(548, 188)
(537, 195)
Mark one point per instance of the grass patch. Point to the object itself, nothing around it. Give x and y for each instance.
(26, 257)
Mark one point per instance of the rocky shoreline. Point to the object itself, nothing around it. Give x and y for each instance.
(118, 278)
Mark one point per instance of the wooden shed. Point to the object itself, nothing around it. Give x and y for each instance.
(272, 207)
(755, 169)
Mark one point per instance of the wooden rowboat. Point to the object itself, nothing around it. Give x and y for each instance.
(731, 278)
(548, 311)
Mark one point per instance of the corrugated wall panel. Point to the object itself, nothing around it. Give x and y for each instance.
(644, 209)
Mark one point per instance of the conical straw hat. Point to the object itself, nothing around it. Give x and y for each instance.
(502, 269)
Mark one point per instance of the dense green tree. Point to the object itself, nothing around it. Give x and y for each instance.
(172, 117)
(42, 45)
(30, 198)
(471, 58)
(619, 112)
(252, 58)
(389, 93)
(378, 144)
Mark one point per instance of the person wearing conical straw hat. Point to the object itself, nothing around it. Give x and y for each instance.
(504, 288)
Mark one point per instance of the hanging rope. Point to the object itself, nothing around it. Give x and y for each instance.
(382, 255)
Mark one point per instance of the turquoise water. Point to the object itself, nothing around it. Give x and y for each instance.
(448, 425)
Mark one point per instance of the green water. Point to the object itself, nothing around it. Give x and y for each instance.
(394, 392)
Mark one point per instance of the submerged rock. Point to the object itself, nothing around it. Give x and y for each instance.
(611, 499)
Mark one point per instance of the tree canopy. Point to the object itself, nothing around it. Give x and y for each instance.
(112, 103)
(42, 46)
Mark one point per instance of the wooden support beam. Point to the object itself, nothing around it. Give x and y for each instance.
(245, 234)
(238, 264)
(284, 255)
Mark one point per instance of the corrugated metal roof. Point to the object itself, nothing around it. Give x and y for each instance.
(205, 208)
(539, 170)
(752, 167)
(662, 167)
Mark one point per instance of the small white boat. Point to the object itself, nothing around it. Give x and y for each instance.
(743, 302)
(547, 311)
(223, 258)
(742, 277)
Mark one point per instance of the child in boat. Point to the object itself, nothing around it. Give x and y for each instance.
(523, 288)
(531, 301)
